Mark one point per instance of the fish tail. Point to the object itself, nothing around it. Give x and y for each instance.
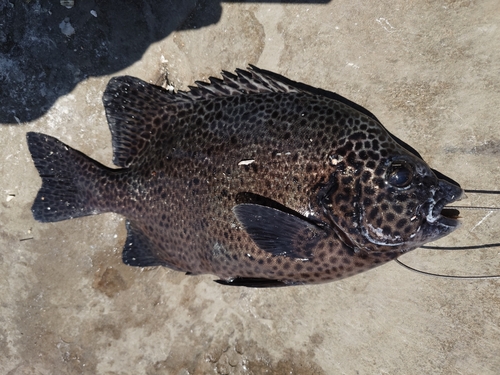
(68, 179)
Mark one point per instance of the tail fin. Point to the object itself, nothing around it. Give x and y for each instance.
(66, 173)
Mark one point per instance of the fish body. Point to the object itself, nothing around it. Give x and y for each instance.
(255, 178)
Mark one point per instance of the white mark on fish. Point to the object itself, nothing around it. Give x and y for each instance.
(246, 162)
(335, 159)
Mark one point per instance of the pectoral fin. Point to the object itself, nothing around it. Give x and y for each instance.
(279, 233)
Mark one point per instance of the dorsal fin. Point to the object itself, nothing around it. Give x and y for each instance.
(252, 81)
(131, 108)
(131, 104)
(259, 81)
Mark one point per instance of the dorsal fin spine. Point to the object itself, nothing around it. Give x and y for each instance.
(127, 100)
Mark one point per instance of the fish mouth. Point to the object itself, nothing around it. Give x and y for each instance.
(437, 212)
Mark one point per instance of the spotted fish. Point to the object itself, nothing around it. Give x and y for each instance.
(255, 178)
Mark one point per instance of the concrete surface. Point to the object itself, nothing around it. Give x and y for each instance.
(428, 69)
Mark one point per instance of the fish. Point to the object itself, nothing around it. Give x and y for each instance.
(252, 177)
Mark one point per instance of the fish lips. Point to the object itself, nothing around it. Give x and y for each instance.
(436, 213)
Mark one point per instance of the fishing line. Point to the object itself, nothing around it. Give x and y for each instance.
(476, 208)
(486, 208)
(461, 277)
(473, 191)
(473, 247)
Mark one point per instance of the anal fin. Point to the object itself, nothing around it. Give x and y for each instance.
(138, 250)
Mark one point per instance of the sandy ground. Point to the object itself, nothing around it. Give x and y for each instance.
(429, 70)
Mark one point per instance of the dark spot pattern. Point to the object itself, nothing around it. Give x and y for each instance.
(187, 159)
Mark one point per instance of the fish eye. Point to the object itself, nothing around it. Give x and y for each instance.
(399, 174)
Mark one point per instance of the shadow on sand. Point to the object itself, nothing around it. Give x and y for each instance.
(39, 63)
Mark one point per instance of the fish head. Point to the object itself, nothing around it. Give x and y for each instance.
(393, 204)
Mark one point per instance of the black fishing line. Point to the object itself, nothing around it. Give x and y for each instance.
(486, 208)
(462, 277)
(497, 192)
(472, 247)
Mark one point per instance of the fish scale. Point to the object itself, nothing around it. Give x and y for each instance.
(255, 178)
